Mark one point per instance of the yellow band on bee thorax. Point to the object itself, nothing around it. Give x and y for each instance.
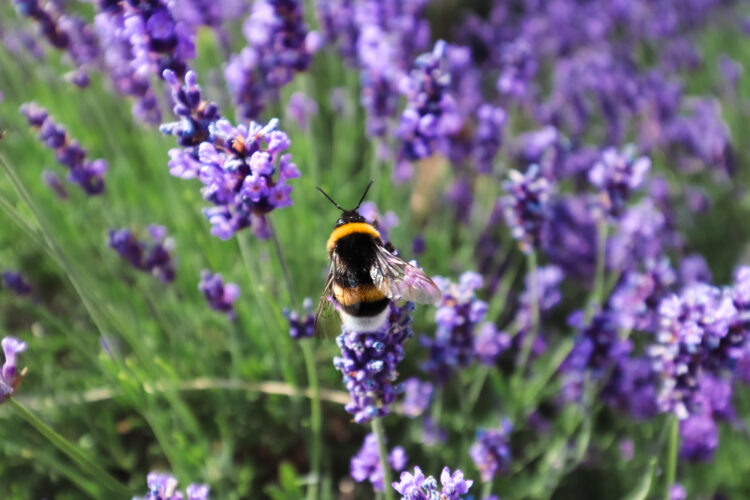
(350, 228)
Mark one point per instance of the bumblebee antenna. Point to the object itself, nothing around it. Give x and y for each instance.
(363, 195)
(329, 198)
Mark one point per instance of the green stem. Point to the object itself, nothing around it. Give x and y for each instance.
(281, 360)
(533, 330)
(671, 469)
(597, 294)
(476, 386)
(316, 416)
(96, 471)
(282, 261)
(377, 429)
(486, 490)
(316, 422)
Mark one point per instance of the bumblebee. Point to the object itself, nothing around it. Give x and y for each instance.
(365, 275)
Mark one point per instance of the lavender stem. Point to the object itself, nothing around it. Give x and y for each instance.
(534, 305)
(596, 299)
(282, 261)
(486, 490)
(671, 469)
(312, 379)
(377, 429)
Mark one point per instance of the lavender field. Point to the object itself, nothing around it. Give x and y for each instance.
(571, 174)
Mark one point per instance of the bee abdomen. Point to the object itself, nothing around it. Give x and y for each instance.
(361, 300)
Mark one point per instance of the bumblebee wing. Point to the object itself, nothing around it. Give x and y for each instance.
(398, 279)
(325, 314)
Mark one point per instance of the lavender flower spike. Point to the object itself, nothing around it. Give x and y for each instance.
(491, 452)
(368, 363)
(164, 487)
(525, 208)
(88, 174)
(219, 295)
(243, 169)
(365, 465)
(9, 375)
(457, 318)
(431, 114)
(16, 282)
(417, 395)
(154, 258)
(418, 487)
(617, 175)
(301, 326)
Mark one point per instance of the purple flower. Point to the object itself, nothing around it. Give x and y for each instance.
(52, 180)
(431, 114)
(10, 377)
(617, 175)
(569, 236)
(488, 136)
(384, 223)
(731, 70)
(219, 295)
(677, 492)
(64, 31)
(699, 437)
(432, 435)
(157, 40)
(15, 281)
(301, 326)
(243, 170)
(279, 46)
(418, 487)
(164, 487)
(598, 346)
(525, 208)
(143, 38)
(491, 452)
(417, 395)
(489, 343)
(366, 466)
(633, 387)
(154, 258)
(699, 331)
(457, 318)
(368, 363)
(195, 115)
(88, 174)
(301, 108)
(694, 269)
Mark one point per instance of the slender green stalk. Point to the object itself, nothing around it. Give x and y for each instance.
(316, 416)
(597, 294)
(377, 429)
(282, 361)
(282, 262)
(533, 330)
(486, 490)
(476, 386)
(316, 422)
(670, 470)
(73, 452)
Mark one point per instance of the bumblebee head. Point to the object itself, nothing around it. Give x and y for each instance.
(348, 216)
